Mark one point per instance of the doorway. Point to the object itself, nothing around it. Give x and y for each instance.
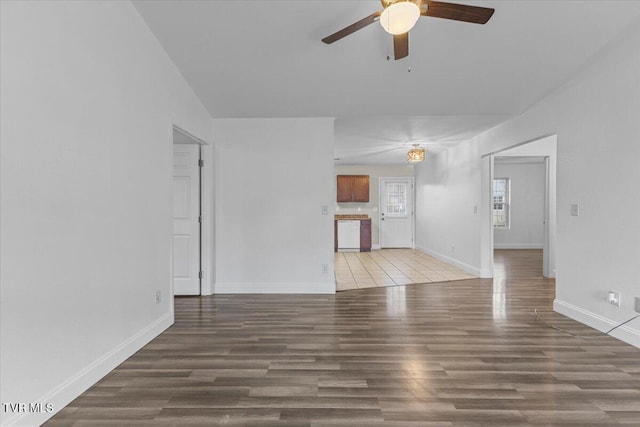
(396, 212)
(188, 215)
(535, 225)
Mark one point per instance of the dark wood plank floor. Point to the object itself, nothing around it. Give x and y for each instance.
(454, 353)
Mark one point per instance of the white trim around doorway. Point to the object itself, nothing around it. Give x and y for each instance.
(206, 207)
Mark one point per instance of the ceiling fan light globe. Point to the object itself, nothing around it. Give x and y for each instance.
(400, 17)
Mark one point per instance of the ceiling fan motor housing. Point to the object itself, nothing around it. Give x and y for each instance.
(423, 6)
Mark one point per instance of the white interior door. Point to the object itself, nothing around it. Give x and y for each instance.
(186, 224)
(396, 212)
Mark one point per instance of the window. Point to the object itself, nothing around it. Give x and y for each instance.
(396, 200)
(501, 198)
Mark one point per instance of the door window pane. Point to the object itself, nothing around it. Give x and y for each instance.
(396, 200)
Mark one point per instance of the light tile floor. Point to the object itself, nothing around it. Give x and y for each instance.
(391, 267)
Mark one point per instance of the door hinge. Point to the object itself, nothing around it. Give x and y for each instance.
(200, 219)
(201, 163)
(200, 274)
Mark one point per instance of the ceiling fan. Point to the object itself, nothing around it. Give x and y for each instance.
(398, 16)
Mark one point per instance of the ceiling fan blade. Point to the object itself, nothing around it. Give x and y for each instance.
(400, 46)
(352, 28)
(457, 12)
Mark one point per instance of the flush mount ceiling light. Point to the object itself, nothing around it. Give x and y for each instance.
(400, 17)
(416, 154)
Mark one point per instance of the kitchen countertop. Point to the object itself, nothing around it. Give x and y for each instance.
(350, 216)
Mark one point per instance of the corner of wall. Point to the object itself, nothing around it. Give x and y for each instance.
(66, 392)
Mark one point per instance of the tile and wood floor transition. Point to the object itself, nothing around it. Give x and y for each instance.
(459, 353)
(391, 267)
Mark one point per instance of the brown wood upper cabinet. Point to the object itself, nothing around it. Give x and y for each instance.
(353, 188)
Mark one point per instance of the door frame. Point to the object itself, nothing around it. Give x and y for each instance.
(486, 206)
(411, 179)
(206, 209)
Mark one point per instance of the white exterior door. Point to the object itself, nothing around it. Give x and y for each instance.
(396, 212)
(186, 224)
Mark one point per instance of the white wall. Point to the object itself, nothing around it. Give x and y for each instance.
(526, 211)
(447, 205)
(371, 208)
(273, 176)
(88, 102)
(595, 117)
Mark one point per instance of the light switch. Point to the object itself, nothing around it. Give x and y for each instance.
(475, 209)
(325, 210)
(575, 209)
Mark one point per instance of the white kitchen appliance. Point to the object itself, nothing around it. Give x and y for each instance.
(348, 235)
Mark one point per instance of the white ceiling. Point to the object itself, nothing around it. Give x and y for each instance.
(265, 59)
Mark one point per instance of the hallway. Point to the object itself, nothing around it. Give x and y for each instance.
(517, 263)
(468, 352)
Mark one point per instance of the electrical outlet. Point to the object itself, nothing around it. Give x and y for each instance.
(158, 296)
(453, 249)
(614, 298)
(637, 305)
(575, 209)
(325, 268)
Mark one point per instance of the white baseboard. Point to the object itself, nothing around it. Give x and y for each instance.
(66, 392)
(328, 287)
(375, 247)
(518, 245)
(625, 333)
(461, 265)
